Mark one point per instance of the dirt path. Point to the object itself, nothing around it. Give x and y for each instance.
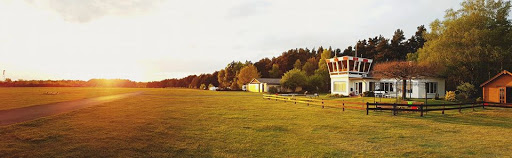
(12, 116)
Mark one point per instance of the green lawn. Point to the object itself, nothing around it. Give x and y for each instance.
(193, 123)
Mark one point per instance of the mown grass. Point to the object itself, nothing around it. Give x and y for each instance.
(16, 97)
(192, 123)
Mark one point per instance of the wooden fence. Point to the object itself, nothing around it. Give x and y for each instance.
(423, 109)
(393, 107)
(319, 102)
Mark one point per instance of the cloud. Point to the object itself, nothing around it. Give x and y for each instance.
(82, 11)
(176, 38)
(248, 8)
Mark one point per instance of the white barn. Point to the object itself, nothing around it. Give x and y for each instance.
(351, 76)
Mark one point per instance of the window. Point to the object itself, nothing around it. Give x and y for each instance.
(372, 86)
(385, 86)
(502, 95)
(431, 87)
(330, 66)
(340, 87)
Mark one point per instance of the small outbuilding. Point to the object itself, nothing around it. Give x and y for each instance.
(263, 84)
(498, 89)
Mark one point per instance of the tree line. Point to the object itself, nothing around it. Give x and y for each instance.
(73, 83)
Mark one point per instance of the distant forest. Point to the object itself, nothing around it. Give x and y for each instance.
(73, 83)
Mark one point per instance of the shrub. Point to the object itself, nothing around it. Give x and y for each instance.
(202, 87)
(450, 96)
(479, 99)
(335, 95)
(466, 90)
(368, 94)
(461, 97)
(272, 90)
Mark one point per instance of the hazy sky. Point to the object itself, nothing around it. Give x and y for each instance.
(146, 40)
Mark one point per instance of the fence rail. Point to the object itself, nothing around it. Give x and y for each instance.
(393, 107)
(423, 109)
(318, 102)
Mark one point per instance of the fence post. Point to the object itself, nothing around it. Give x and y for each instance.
(343, 106)
(322, 103)
(421, 110)
(460, 108)
(444, 107)
(473, 106)
(483, 105)
(366, 108)
(426, 108)
(394, 109)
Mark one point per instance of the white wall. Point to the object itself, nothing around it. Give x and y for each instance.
(418, 86)
(441, 88)
(340, 79)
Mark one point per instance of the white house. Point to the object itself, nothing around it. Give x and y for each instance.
(351, 76)
(263, 84)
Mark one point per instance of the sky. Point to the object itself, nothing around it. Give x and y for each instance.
(151, 40)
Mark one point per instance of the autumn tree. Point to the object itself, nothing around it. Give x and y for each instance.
(322, 72)
(264, 66)
(403, 70)
(322, 64)
(221, 78)
(310, 66)
(297, 65)
(247, 74)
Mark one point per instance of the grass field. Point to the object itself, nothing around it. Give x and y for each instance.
(16, 97)
(193, 123)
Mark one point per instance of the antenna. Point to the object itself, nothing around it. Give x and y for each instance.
(356, 50)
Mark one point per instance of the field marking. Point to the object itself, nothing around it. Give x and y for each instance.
(12, 116)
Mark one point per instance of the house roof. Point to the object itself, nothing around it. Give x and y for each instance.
(504, 72)
(273, 81)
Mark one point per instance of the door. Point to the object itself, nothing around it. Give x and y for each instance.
(502, 95)
(358, 87)
(508, 96)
